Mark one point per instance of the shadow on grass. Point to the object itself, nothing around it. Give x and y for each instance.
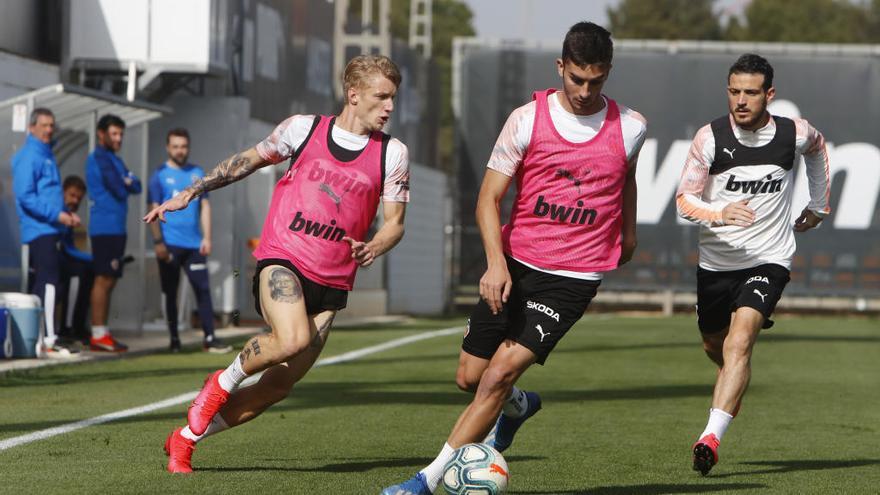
(453, 356)
(605, 348)
(653, 489)
(42, 378)
(337, 467)
(779, 467)
(346, 466)
(631, 393)
(784, 337)
(308, 396)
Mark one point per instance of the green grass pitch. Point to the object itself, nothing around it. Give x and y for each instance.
(624, 398)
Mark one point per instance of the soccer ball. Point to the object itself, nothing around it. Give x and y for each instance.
(475, 469)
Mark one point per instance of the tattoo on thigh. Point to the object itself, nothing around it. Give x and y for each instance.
(284, 287)
(320, 337)
(255, 344)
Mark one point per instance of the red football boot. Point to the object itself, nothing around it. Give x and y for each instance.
(206, 404)
(107, 344)
(179, 450)
(706, 453)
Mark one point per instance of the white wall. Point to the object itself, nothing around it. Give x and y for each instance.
(169, 33)
(417, 266)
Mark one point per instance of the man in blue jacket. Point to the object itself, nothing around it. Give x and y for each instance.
(109, 183)
(179, 242)
(39, 203)
(77, 274)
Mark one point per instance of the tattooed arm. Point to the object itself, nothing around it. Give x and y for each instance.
(230, 170)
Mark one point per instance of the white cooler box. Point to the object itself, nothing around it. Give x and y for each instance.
(23, 323)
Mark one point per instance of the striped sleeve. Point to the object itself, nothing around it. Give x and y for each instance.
(396, 187)
(689, 198)
(811, 143)
(513, 141)
(285, 139)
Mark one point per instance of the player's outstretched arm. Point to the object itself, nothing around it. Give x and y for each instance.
(391, 232)
(232, 169)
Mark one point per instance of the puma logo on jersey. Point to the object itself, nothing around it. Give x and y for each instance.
(568, 175)
(758, 278)
(541, 331)
(770, 185)
(756, 291)
(729, 152)
(324, 187)
(543, 308)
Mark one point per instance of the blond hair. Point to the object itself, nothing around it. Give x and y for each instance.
(360, 68)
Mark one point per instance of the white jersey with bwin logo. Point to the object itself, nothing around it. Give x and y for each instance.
(767, 188)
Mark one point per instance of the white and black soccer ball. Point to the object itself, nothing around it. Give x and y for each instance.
(476, 469)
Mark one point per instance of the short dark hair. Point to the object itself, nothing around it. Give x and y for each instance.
(74, 181)
(587, 43)
(35, 114)
(179, 132)
(108, 120)
(750, 63)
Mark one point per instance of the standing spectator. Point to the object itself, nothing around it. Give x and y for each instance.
(110, 183)
(77, 273)
(38, 201)
(179, 243)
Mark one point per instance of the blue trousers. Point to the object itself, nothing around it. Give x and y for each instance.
(195, 266)
(44, 276)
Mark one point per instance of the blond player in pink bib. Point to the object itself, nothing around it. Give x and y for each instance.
(573, 156)
(312, 242)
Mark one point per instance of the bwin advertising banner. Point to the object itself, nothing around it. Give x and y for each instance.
(836, 89)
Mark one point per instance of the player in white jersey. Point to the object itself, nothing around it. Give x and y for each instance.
(737, 184)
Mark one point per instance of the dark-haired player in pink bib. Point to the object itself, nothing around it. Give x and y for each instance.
(573, 155)
(312, 242)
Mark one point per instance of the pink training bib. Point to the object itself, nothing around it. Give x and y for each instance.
(319, 201)
(568, 207)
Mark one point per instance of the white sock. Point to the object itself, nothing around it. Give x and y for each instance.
(72, 293)
(434, 471)
(232, 377)
(216, 426)
(516, 405)
(718, 423)
(99, 331)
(49, 315)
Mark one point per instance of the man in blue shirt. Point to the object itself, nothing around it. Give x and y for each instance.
(38, 201)
(178, 241)
(109, 183)
(77, 274)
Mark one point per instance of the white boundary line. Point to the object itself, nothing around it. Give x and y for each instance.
(184, 398)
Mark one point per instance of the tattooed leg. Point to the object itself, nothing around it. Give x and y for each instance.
(281, 298)
(284, 286)
(276, 383)
(321, 333)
